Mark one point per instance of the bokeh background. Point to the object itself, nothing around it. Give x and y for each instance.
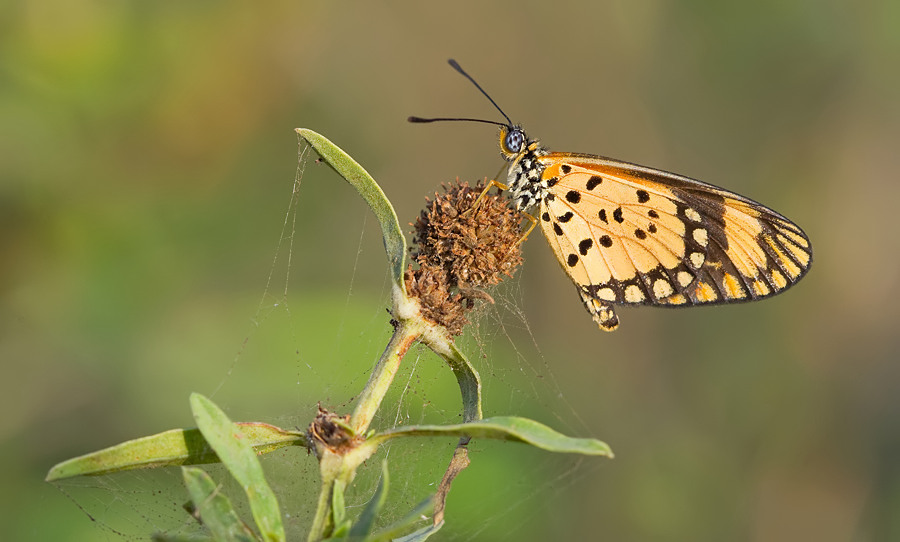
(146, 167)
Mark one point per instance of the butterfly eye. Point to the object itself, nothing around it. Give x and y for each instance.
(515, 140)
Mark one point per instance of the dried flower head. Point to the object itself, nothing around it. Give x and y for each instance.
(331, 431)
(462, 247)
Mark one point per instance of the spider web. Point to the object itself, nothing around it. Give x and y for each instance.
(329, 368)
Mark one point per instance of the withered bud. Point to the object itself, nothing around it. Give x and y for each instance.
(461, 247)
(330, 431)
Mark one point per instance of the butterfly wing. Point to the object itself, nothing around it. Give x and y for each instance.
(628, 234)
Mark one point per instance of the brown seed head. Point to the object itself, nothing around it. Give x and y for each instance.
(460, 248)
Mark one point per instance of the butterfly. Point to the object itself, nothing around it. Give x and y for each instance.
(632, 235)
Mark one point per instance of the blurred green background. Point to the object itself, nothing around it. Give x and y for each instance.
(146, 167)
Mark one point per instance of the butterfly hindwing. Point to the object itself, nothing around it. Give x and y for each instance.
(753, 252)
(757, 254)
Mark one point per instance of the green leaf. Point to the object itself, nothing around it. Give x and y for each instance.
(214, 508)
(339, 510)
(510, 428)
(367, 518)
(469, 384)
(170, 448)
(395, 530)
(466, 376)
(417, 514)
(238, 456)
(353, 173)
(421, 534)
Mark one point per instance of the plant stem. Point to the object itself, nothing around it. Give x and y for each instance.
(405, 334)
(322, 519)
(335, 468)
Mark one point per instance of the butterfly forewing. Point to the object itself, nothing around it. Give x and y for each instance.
(627, 234)
(624, 239)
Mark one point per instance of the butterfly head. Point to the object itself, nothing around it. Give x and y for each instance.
(512, 141)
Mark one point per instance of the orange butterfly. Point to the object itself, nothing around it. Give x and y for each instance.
(632, 235)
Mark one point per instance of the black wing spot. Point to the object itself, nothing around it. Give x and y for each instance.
(566, 217)
(565, 168)
(606, 241)
(602, 215)
(584, 245)
(643, 196)
(594, 181)
(652, 213)
(640, 234)
(617, 215)
(652, 228)
(572, 260)
(572, 196)
(551, 182)
(545, 217)
(556, 229)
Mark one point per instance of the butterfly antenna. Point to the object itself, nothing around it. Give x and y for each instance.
(440, 119)
(458, 68)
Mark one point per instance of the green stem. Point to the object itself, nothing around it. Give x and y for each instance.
(405, 334)
(335, 469)
(322, 519)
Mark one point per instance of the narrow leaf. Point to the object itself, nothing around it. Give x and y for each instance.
(367, 518)
(353, 173)
(466, 375)
(338, 508)
(510, 428)
(170, 448)
(238, 456)
(421, 534)
(417, 514)
(215, 508)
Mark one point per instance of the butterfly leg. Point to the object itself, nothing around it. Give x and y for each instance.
(603, 312)
(491, 184)
(530, 228)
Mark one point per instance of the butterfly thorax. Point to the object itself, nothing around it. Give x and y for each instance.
(525, 178)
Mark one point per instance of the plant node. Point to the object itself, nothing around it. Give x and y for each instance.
(332, 432)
